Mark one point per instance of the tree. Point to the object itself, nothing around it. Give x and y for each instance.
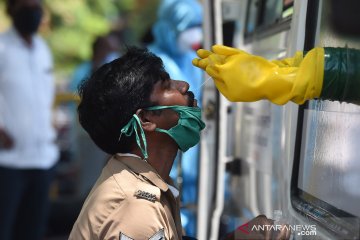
(71, 26)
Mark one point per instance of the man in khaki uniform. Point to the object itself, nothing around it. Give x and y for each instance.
(133, 110)
(129, 199)
(133, 197)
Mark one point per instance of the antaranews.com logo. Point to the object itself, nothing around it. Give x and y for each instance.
(302, 230)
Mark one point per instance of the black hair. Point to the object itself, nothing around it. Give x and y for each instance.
(114, 92)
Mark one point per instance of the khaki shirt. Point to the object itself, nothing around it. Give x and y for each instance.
(129, 201)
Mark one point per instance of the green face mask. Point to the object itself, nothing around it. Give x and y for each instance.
(186, 133)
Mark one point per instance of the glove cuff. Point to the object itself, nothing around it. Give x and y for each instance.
(309, 77)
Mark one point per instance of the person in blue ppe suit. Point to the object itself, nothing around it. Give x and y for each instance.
(177, 34)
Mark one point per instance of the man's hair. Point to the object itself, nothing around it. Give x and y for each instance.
(114, 92)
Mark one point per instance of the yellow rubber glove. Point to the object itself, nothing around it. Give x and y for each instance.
(242, 77)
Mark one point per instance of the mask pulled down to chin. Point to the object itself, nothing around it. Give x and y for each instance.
(186, 133)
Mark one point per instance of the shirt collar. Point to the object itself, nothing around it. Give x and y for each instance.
(139, 166)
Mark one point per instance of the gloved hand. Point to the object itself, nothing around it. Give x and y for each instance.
(240, 76)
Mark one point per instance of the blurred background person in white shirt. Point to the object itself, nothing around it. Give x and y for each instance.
(28, 152)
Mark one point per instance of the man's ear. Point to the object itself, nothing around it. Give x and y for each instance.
(146, 120)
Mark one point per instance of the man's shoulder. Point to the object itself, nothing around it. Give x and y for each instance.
(131, 183)
(119, 196)
(104, 193)
(117, 180)
(103, 199)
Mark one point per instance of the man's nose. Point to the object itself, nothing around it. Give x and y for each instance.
(181, 86)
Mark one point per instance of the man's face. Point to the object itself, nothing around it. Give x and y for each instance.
(172, 92)
(169, 93)
(26, 16)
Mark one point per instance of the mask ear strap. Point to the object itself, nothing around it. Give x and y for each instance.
(129, 129)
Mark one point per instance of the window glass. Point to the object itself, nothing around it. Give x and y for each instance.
(252, 15)
(329, 165)
(273, 11)
(263, 14)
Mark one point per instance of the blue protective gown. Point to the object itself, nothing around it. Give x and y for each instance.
(175, 16)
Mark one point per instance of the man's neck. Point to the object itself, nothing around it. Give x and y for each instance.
(160, 160)
(28, 38)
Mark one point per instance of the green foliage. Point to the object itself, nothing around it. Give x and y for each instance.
(143, 16)
(71, 26)
(4, 21)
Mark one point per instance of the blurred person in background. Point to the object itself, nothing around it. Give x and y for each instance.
(105, 49)
(28, 151)
(177, 34)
